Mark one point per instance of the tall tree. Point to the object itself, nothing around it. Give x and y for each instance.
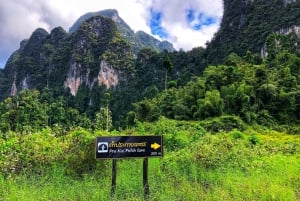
(168, 65)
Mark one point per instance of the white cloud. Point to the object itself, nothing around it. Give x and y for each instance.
(195, 38)
(174, 20)
(130, 10)
(19, 19)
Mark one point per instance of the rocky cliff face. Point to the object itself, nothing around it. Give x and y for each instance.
(289, 30)
(108, 76)
(246, 24)
(98, 50)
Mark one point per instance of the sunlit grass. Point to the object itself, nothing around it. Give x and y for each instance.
(278, 180)
(225, 166)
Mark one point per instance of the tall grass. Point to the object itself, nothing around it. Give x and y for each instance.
(278, 179)
(55, 186)
(237, 166)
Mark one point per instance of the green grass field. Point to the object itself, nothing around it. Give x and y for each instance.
(237, 166)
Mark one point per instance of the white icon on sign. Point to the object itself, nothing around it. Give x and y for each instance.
(102, 147)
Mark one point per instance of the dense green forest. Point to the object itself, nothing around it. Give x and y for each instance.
(263, 91)
(257, 91)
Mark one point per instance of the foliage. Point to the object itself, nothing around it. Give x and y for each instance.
(235, 165)
(36, 151)
(31, 111)
(79, 154)
(223, 124)
(246, 25)
(103, 119)
(265, 93)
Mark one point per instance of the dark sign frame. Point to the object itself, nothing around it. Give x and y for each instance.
(113, 147)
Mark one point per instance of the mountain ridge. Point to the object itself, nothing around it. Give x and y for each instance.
(40, 49)
(134, 38)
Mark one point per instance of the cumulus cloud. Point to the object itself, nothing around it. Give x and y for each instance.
(19, 19)
(129, 10)
(185, 23)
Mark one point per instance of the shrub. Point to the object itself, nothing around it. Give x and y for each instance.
(253, 139)
(9, 158)
(79, 155)
(223, 124)
(176, 141)
(237, 134)
(177, 134)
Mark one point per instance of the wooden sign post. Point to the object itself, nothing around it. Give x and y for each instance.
(113, 177)
(145, 179)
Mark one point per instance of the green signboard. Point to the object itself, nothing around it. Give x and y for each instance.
(129, 147)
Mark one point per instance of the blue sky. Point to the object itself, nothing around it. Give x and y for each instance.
(196, 20)
(155, 24)
(185, 23)
(199, 20)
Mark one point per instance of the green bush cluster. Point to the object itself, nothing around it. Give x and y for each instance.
(223, 124)
(235, 149)
(176, 134)
(75, 151)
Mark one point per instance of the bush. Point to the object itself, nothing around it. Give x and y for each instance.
(237, 134)
(290, 129)
(177, 134)
(41, 150)
(9, 158)
(176, 141)
(253, 139)
(223, 124)
(79, 154)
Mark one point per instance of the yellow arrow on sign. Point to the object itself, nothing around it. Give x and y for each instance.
(155, 146)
